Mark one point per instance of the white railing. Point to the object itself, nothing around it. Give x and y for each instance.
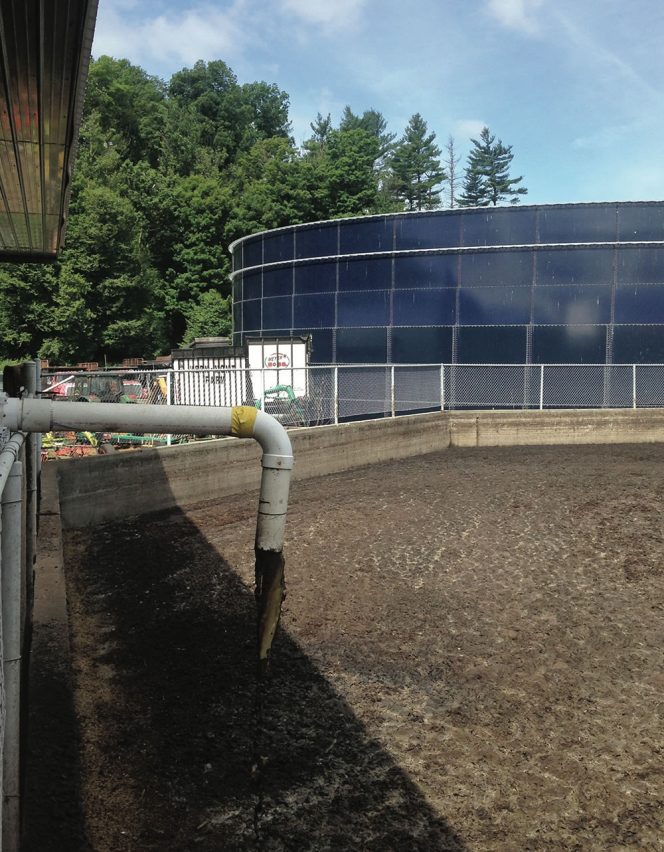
(335, 393)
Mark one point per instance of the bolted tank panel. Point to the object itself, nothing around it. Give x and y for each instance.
(565, 283)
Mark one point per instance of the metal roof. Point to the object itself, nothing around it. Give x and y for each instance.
(44, 57)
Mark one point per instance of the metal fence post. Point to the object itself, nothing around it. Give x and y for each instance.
(541, 398)
(393, 401)
(335, 394)
(442, 387)
(633, 385)
(13, 603)
(169, 393)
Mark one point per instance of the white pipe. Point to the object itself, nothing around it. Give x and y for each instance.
(12, 634)
(33, 459)
(8, 455)
(37, 415)
(38, 441)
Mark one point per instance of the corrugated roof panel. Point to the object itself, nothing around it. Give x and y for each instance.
(59, 64)
(9, 186)
(54, 162)
(29, 161)
(19, 229)
(44, 55)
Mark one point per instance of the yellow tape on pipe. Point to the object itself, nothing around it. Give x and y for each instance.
(243, 418)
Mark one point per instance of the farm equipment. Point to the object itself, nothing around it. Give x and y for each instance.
(282, 403)
(103, 389)
(288, 408)
(70, 445)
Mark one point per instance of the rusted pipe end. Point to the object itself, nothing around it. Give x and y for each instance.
(269, 594)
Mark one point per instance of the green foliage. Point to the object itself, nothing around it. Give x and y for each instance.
(211, 92)
(168, 174)
(347, 180)
(321, 129)
(270, 189)
(127, 106)
(25, 294)
(209, 316)
(416, 169)
(229, 118)
(269, 110)
(487, 179)
(372, 122)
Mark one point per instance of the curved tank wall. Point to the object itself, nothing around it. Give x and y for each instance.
(575, 283)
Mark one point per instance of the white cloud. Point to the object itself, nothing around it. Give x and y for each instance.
(606, 137)
(329, 14)
(468, 127)
(516, 14)
(603, 58)
(201, 32)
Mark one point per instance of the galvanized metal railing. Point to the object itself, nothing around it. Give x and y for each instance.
(330, 394)
(19, 476)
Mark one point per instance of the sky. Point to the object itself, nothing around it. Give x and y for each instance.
(576, 87)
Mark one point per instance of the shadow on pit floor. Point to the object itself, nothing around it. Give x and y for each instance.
(163, 632)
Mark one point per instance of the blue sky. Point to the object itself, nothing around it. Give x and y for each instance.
(575, 86)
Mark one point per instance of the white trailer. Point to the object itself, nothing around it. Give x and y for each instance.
(212, 373)
(279, 367)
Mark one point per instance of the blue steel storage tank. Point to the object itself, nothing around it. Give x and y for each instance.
(570, 283)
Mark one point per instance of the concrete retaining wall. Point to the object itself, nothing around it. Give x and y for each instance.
(103, 488)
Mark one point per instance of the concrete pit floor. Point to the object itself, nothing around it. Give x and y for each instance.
(470, 657)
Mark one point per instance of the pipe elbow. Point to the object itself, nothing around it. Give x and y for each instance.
(274, 440)
(249, 422)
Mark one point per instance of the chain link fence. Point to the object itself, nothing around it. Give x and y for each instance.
(333, 394)
(132, 387)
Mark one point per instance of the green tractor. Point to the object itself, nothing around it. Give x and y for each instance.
(99, 389)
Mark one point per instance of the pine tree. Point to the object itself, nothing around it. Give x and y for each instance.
(373, 122)
(415, 165)
(474, 190)
(487, 179)
(321, 129)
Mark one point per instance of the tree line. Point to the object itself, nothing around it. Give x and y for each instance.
(168, 174)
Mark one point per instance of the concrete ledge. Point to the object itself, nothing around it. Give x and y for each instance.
(52, 747)
(103, 488)
(556, 426)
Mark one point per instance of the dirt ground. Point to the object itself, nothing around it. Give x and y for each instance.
(470, 657)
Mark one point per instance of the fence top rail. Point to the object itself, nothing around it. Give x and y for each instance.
(161, 371)
(114, 371)
(484, 365)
